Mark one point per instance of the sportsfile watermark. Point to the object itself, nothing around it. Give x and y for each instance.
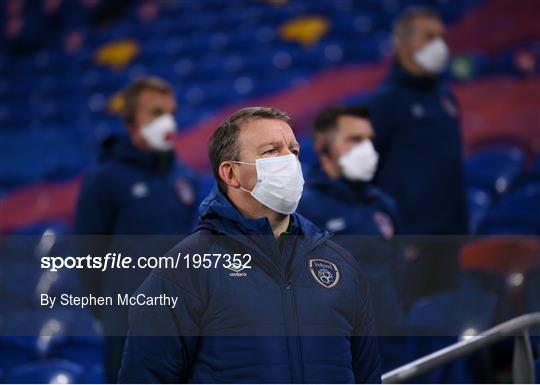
(111, 261)
(97, 280)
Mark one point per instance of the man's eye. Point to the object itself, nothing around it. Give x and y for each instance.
(269, 151)
(296, 152)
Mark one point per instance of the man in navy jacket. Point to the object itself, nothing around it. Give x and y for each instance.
(340, 196)
(137, 188)
(416, 121)
(296, 310)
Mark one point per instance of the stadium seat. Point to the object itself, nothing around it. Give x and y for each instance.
(479, 202)
(86, 351)
(454, 312)
(493, 283)
(439, 320)
(49, 325)
(46, 372)
(517, 213)
(16, 351)
(12, 276)
(503, 265)
(94, 375)
(532, 290)
(494, 169)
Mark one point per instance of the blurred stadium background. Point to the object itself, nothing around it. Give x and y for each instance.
(63, 62)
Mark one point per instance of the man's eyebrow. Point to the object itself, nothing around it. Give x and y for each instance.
(267, 144)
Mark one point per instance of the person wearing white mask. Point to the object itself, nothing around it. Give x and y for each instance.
(342, 174)
(339, 195)
(137, 187)
(293, 308)
(417, 135)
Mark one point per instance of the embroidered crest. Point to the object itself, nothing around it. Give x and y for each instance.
(185, 191)
(384, 224)
(325, 273)
(450, 108)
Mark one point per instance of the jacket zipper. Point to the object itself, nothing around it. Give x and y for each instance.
(291, 318)
(293, 340)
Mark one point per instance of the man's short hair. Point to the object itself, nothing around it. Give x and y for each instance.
(327, 120)
(223, 144)
(130, 94)
(403, 24)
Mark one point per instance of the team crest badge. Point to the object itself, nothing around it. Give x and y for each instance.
(185, 191)
(450, 108)
(325, 273)
(384, 224)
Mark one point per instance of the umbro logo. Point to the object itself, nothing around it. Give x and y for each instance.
(236, 270)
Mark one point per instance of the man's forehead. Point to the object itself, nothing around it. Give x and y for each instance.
(430, 23)
(260, 131)
(351, 123)
(153, 96)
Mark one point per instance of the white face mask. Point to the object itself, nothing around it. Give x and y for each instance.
(279, 183)
(433, 57)
(360, 162)
(159, 133)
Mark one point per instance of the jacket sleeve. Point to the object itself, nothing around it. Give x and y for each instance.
(161, 341)
(365, 351)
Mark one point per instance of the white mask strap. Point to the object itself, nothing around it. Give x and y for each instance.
(243, 189)
(237, 161)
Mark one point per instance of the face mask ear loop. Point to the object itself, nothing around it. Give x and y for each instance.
(237, 161)
(251, 164)
(243, 189)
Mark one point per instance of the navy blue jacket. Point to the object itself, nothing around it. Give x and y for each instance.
(419, 141)
(133, 192)
(276, 324)
(352, 208)
(364, 220)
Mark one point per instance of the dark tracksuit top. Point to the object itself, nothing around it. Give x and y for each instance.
(419, 141)
(278, 323)
(131, 192)
(363, 218)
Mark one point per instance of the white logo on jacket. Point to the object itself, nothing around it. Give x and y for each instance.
(139, 189)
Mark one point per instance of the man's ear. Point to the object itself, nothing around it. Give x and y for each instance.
(227, 173)
(319, 144)
(402, 50)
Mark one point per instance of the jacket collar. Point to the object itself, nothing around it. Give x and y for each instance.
(398, 75)
(340, 188)
(121, 148)
(217, 212)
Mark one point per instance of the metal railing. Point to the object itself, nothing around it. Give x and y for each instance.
(523, 364)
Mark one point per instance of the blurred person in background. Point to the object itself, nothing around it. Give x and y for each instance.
(138, 187)
(339, 195)
(416, 122)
